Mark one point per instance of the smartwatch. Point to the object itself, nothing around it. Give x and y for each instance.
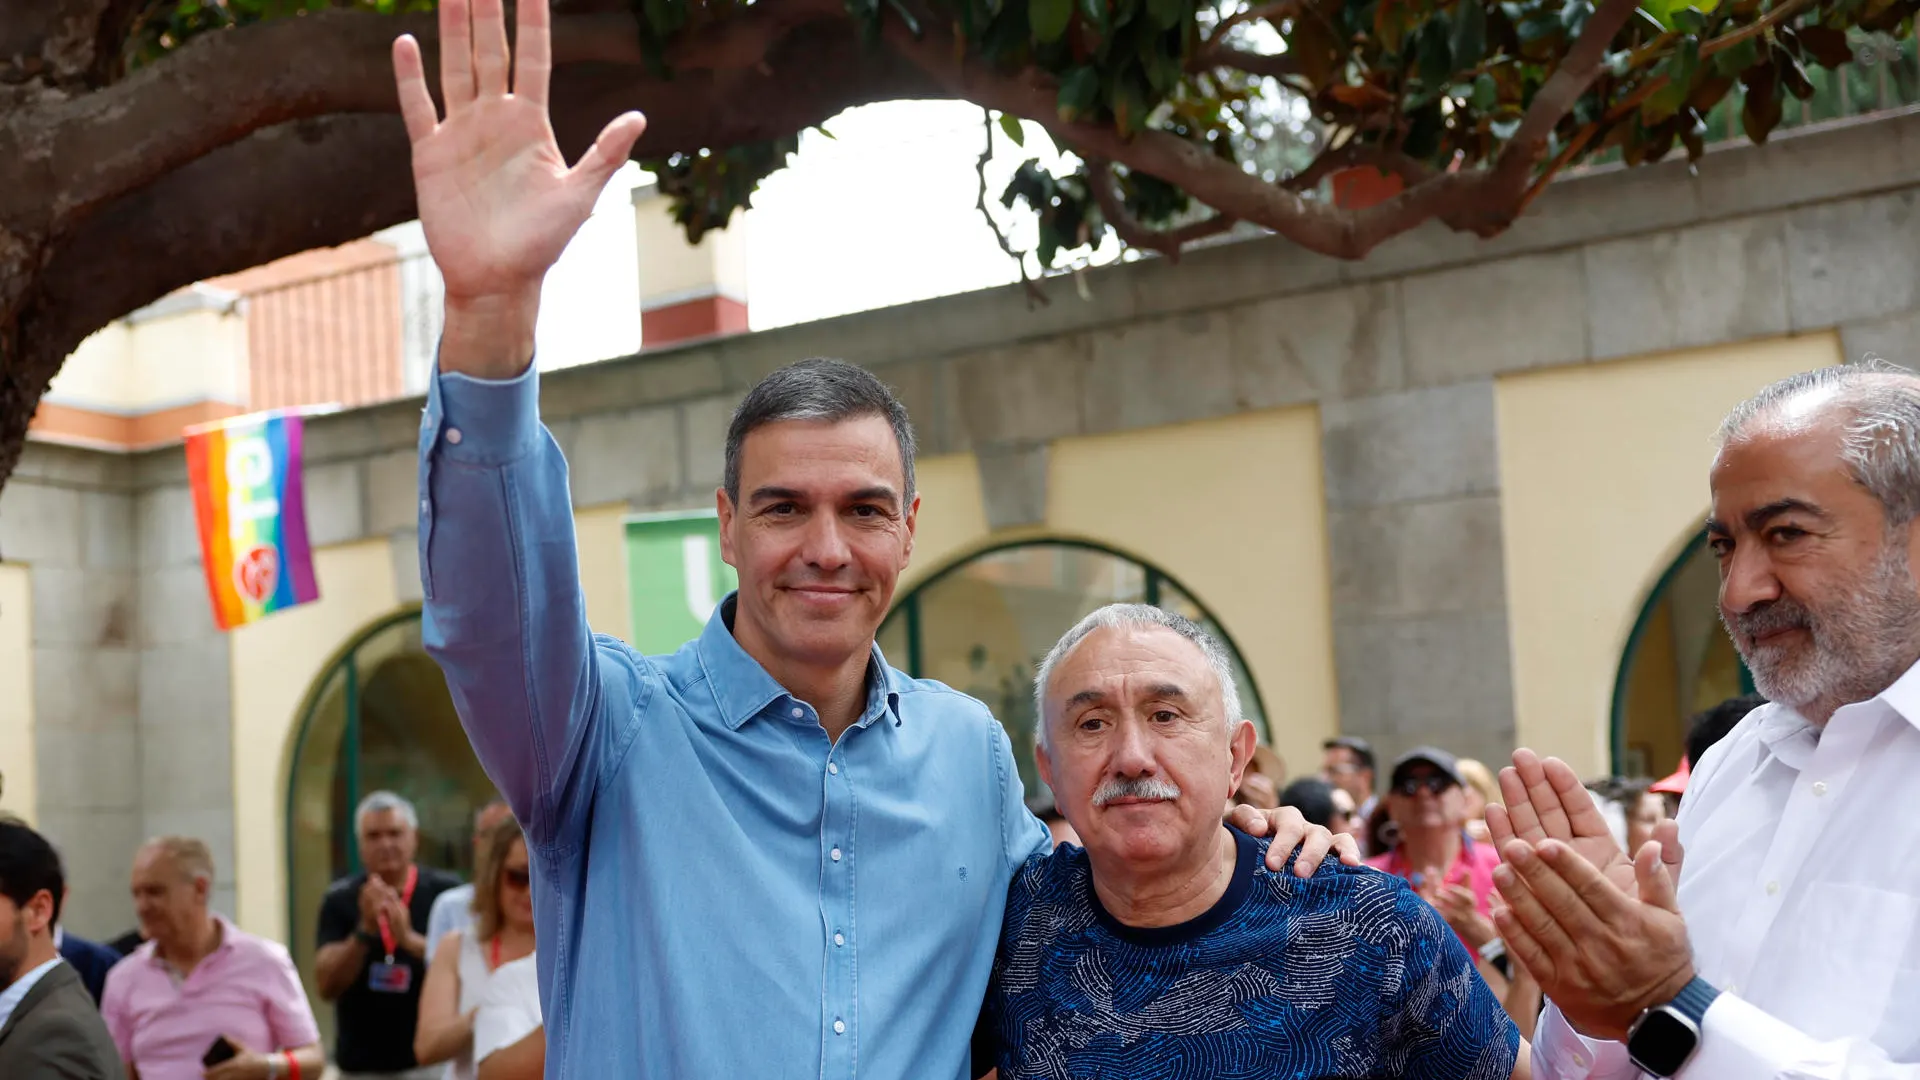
(1664, 1037)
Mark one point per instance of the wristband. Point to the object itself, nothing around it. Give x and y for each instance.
(273, 1067)
(293, 1065)
(1493, 950)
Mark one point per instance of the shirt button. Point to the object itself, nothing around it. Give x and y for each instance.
(798, 712)
(1819, 788)
(834, 854)
(839, 939)
(454, 436)
(1773, 887)
(839, 1027)
(425, 507)
(833, 768)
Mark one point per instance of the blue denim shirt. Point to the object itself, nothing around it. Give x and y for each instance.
(720, 892)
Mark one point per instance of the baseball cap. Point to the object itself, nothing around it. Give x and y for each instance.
(1446, 763)
(1677, 783)
(1361, 748)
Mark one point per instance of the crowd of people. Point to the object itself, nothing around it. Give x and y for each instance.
(194, 996)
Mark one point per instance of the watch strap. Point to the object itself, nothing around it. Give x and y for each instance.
(1694, 999)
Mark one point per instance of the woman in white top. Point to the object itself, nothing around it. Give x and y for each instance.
(464, 960)
(509, 1042)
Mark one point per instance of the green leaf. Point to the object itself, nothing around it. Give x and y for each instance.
(1485, 93)
(1436, 53)
(1827, 46)
(1047, 19)
(1689, 20)
(1010, 124)
(1079, 92)
(1469, 33)
(1167, 14)
(1733, 61)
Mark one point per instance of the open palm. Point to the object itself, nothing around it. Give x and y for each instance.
(496, 198)
(1546, 801)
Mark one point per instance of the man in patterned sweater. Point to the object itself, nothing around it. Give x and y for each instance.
(1165, 950)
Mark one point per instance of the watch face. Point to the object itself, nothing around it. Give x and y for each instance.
(1662, 1041)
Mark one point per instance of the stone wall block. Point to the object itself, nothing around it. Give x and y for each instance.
(1013, 483)
(86, 688)
(42, 524)
(86, 608)
(1422, 444)
(96, 853)
(1339, 343)
(1160, 371)
(1418, 558)
(931, 396)
(81, 769)
(110, 529)
(1410, 677)
(392, 493)
(1490, 318)
(188, 684)
(704, 447)
(1895, 338)
(336, 501)
(174, 606)
(168, 532)
(625, 455)
(1023, 393)
(1854, 260)
(1700, 286)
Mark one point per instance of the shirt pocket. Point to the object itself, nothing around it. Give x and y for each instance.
(1848, 949)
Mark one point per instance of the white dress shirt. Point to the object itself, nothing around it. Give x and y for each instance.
(11, 997)
(1801, 891)
(452, 910)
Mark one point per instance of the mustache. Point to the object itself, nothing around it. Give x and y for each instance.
(1771, 618)
(1145, 787)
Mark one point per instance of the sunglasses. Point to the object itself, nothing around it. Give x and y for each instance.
(519, 879)
(1434, 783)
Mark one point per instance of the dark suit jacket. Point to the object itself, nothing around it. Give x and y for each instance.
(56, 1034)
(91, 961)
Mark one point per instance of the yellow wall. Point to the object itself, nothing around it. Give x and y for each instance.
(953, 517)
(275, 663)
(601, 534)
(199, 354)
(16, 692)
(1603, 473)
(1233, 510)
(675, 270)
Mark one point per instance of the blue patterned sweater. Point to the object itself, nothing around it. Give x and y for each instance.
(1345, 975)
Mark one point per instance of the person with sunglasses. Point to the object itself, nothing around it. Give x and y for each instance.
(466, 961)
(1427, 802)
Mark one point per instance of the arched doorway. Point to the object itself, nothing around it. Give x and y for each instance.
(1678, 661)
(379, 718)
(983, 625)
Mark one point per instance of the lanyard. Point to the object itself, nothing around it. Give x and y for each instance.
(493, 964)
(406, 898)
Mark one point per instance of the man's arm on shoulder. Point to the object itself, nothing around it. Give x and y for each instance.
(504, 613)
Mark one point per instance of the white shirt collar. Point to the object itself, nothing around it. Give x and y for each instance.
(11, 997)
(1791, 737)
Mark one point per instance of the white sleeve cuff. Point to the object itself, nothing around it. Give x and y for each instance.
(1561, 1053)
(1738, 1041)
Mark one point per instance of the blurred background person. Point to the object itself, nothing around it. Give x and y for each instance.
(1427, 803)
(509, 1041)
(1348, 765)
(1265, 775)
(49, 1027)
(453, 910)
(1480, 789)
(372, 961)
(199, 979)
(464, 961)
(1321, 804)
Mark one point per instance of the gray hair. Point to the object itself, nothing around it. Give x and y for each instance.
(191, 858)
(1128, 616)
(1881, 443)
(382, 801)
(817, 389)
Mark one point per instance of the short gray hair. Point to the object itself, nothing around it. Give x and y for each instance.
(190, 857)
(1881, 443)
(817, 389)
(382, 801)
(1129, 616)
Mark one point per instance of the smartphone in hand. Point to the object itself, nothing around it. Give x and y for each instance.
(221, 1050)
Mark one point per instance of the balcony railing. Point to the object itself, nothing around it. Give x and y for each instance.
(352, 337)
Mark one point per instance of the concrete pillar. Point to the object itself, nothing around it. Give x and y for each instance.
(687, 291)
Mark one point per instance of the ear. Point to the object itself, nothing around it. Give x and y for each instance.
(723, 506)
(39, 912)
(1043, 762)
(913, 523)
(202, 887)
(1242, 751)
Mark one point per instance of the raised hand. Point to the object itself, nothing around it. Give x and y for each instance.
(497, 200)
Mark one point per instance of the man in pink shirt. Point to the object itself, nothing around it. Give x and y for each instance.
(201, 981)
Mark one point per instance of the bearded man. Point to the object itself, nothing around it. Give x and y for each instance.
(1791, 947)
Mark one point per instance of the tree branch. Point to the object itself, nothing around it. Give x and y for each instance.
(1168, 242)
(1273, 67)
(1035, 295)
(1350, 155)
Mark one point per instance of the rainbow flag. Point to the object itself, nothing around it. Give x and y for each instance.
(253, 516)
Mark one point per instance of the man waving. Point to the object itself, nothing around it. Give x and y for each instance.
(769, 854)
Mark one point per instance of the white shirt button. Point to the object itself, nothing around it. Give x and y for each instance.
(425, 507)
(454, 436)
(839, 1027)
(1819, 788)
(833, 768)
(1579, 1061)
(839, 939)
(1773, 888)
(798, 712)
(834, 854)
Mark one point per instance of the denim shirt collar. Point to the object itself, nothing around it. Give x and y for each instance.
(743, 689)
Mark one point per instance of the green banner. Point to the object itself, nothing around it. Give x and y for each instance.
(676, 577)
